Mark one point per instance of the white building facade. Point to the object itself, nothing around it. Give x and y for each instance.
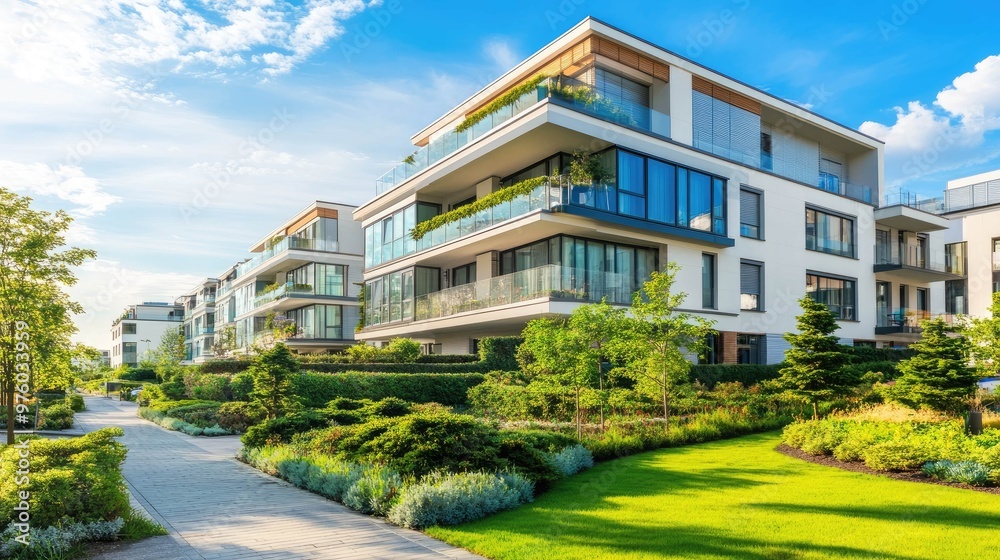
(199, 321)
(758, 200)
(972, 206)
(140, 329)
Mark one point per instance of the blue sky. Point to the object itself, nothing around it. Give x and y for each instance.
(178, 132)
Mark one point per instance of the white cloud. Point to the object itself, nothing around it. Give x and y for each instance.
(500, 52)
(65, 182)
(948, 134)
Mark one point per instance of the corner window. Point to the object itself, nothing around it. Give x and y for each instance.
(830, 233)
(751, 212)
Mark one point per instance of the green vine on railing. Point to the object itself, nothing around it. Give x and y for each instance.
(504, 100)
(505, 194)
(364, 305)
(585, 95)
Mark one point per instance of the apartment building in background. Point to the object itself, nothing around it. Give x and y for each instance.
(140, 329)
(199, 321)
(972, 206)
(760, 201)
(304, 275)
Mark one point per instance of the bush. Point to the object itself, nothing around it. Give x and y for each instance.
(173, 390)
(57, 541)
(375, 491)
(79, 478)
(138, 374)
(316, 390)
(203, 415)
(240, 386)
(572, 460)
(239, 416)
(747, 374)
(225, 366)
(281, 429)
(76, 402)
(387, 367)
(527, 461)
(178, 425)
(887, 369)
(402, 350)
(499, 353)
(207, 386)
(894, 456)
(56, 417)
(449, 499)
(167, 406)
(965, 472)
(321, 474)
(389, 407)
(362, 353)
(447, 359)
(867, 354)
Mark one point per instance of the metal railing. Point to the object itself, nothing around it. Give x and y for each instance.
(549, 281)
(972, 196)
(280, 292)
(913, 200)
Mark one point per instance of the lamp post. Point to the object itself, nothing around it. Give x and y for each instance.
(147, 341)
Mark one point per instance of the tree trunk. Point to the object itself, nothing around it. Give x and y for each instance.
(579, 426)
(815, 411)
(8, 393)
(600, 377)
(666, 413)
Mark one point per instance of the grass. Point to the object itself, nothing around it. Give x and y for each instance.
(138, 526)
(736, 499)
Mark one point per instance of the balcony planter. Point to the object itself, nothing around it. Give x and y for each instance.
(505, 194)
(499, 103)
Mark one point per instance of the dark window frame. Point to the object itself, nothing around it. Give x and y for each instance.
(760, 212)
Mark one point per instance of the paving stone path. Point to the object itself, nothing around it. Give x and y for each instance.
(216, 507)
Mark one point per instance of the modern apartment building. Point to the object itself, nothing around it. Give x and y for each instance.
(972, 206)
(199, 321)
(759, 200)
(304, 277)
(140, 329)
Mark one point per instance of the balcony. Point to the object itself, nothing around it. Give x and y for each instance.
(972, 196)
(282, 291)
(907, 321)
(544, 282)
(918, 263)
(285, 244)
(204, 330)
(560, 90)
(791, 168)
(907, 212)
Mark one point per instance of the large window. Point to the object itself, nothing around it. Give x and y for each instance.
(751, 286)
(320, 279)
(956, 301)
(830, 233)
(128, 328)
(463, 274)
(750, 349)
(839, 294)
(389, 238)
(318, 322)
(996, 264)
(708, 284)
(751, 213)
(390, 298)
(320, 235)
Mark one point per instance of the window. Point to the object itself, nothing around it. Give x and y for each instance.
(955, 298)
(766, 153)
(708, 280)
(128, 328)
(389, 238)
(713, 349)
(996, 264)
(630, 97)
(751, 213)
(839, 294)
(463, 274)
(829, 233)
(632, 185)
(923, 299)
(830, 173)
(751, 282)
(750, 349)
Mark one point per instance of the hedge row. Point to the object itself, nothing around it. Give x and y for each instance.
(747, 374)
(316, 389)
(139, 374)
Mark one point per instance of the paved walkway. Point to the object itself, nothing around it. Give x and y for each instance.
(216, 507)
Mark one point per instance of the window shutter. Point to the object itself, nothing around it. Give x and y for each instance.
(750, 208)
(702, 106)
(750, 280)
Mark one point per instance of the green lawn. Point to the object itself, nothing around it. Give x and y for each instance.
(737, 499)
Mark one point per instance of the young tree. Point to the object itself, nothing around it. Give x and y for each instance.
(984, 338)
(814, 361)
(598, 325)
(167, 357)
(938, 376)
(224, 342)
(560, 355)
(35, 266)
(272, 372)
(656, 341)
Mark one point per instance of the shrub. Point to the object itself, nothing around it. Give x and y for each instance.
(527, 461)
(79, 478)
(239, 416)
(173, 390)
(362, 353)
(375, 491)
(225, 366)
(202, 415)
(747, 374)
(500, 353)
(388, 367)
(965, 472)
(447, 359)
(76, 402)
(281, 429)
(402, 350)
(316, 390)
(537, 400)
(894, 456)
(207, 386)
(240, 386)
(572, 460)
(863, 354)
(389, 407)
(322, 474)
(57, 541)
(56, 417)
(178, 425)
(138, 374)
(167, 406)
(344, 403)
(449, 499)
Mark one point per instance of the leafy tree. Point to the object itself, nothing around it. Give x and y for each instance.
(224, 342)
(272, 372)
(35, 266)
(816, 357)
(938, 376)
(569, 351)
(984, 338)
(655, 342)
(167, 357)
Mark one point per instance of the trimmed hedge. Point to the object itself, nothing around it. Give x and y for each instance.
(499, 353)
(447, 359)
(225, 366)
(747, 374)
(413, 367)
(139, 374)
(316, 389)
(864, 354)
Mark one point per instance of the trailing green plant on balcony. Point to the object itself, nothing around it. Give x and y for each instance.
(364, 306)
(410, 159)
(269, 288)
(587, 169)
(302, 287)
(504, 100)
(585, 95)
(505, 194)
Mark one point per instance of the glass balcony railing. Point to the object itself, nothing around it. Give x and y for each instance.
(280, 292)
(916, 256)
(543, 197)
(285, 244)
(204, 330)
(912, 200)
(790, 168)
(549, 281)
(561, 90)
(900, 320)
